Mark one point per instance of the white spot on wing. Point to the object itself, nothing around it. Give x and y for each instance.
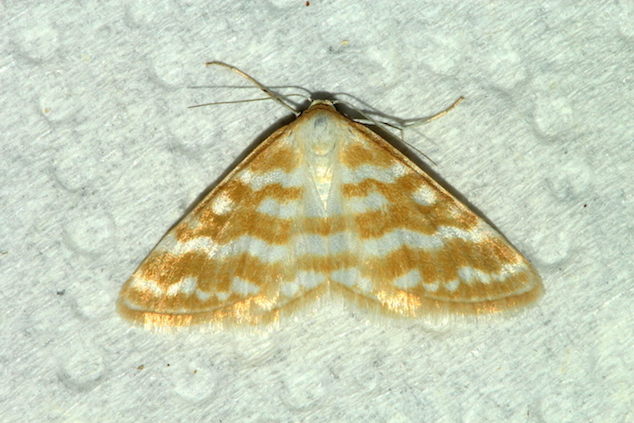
(347, 277)
(201, 243)
(351, 278)
(395, 240)
(243, 287)
(311, 280)
(363, 172)
(372, 202)
(222, 296)
(272, 207)
(256, 247)
(452, 285)
(313, 244)
(222, 204)
(424, 195)
(431, 287)
(289, 289)
(147, 285)
(186, 286)
(399, 170)
(408, 280)
(202, 295)
(258, 181)
(304, 281)
(470, 275)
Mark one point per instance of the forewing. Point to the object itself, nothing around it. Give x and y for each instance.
(418, 249)
(237, 256)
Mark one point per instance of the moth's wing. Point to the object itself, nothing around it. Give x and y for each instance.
(417, 249)
(236, 257)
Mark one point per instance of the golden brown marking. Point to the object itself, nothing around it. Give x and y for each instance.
(443, 264)
(367, 148)
(327, 264)
(244, 218)
(323, 226)
(250, 311)
(355, 155)
(238, 191)
(213, 275)
(284, 158)
(378, 223)
(403, 212)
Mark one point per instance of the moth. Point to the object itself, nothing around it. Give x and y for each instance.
(326, 206)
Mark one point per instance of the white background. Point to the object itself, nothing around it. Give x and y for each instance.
(100, 156)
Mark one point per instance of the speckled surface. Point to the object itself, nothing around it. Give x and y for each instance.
(100, 156)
